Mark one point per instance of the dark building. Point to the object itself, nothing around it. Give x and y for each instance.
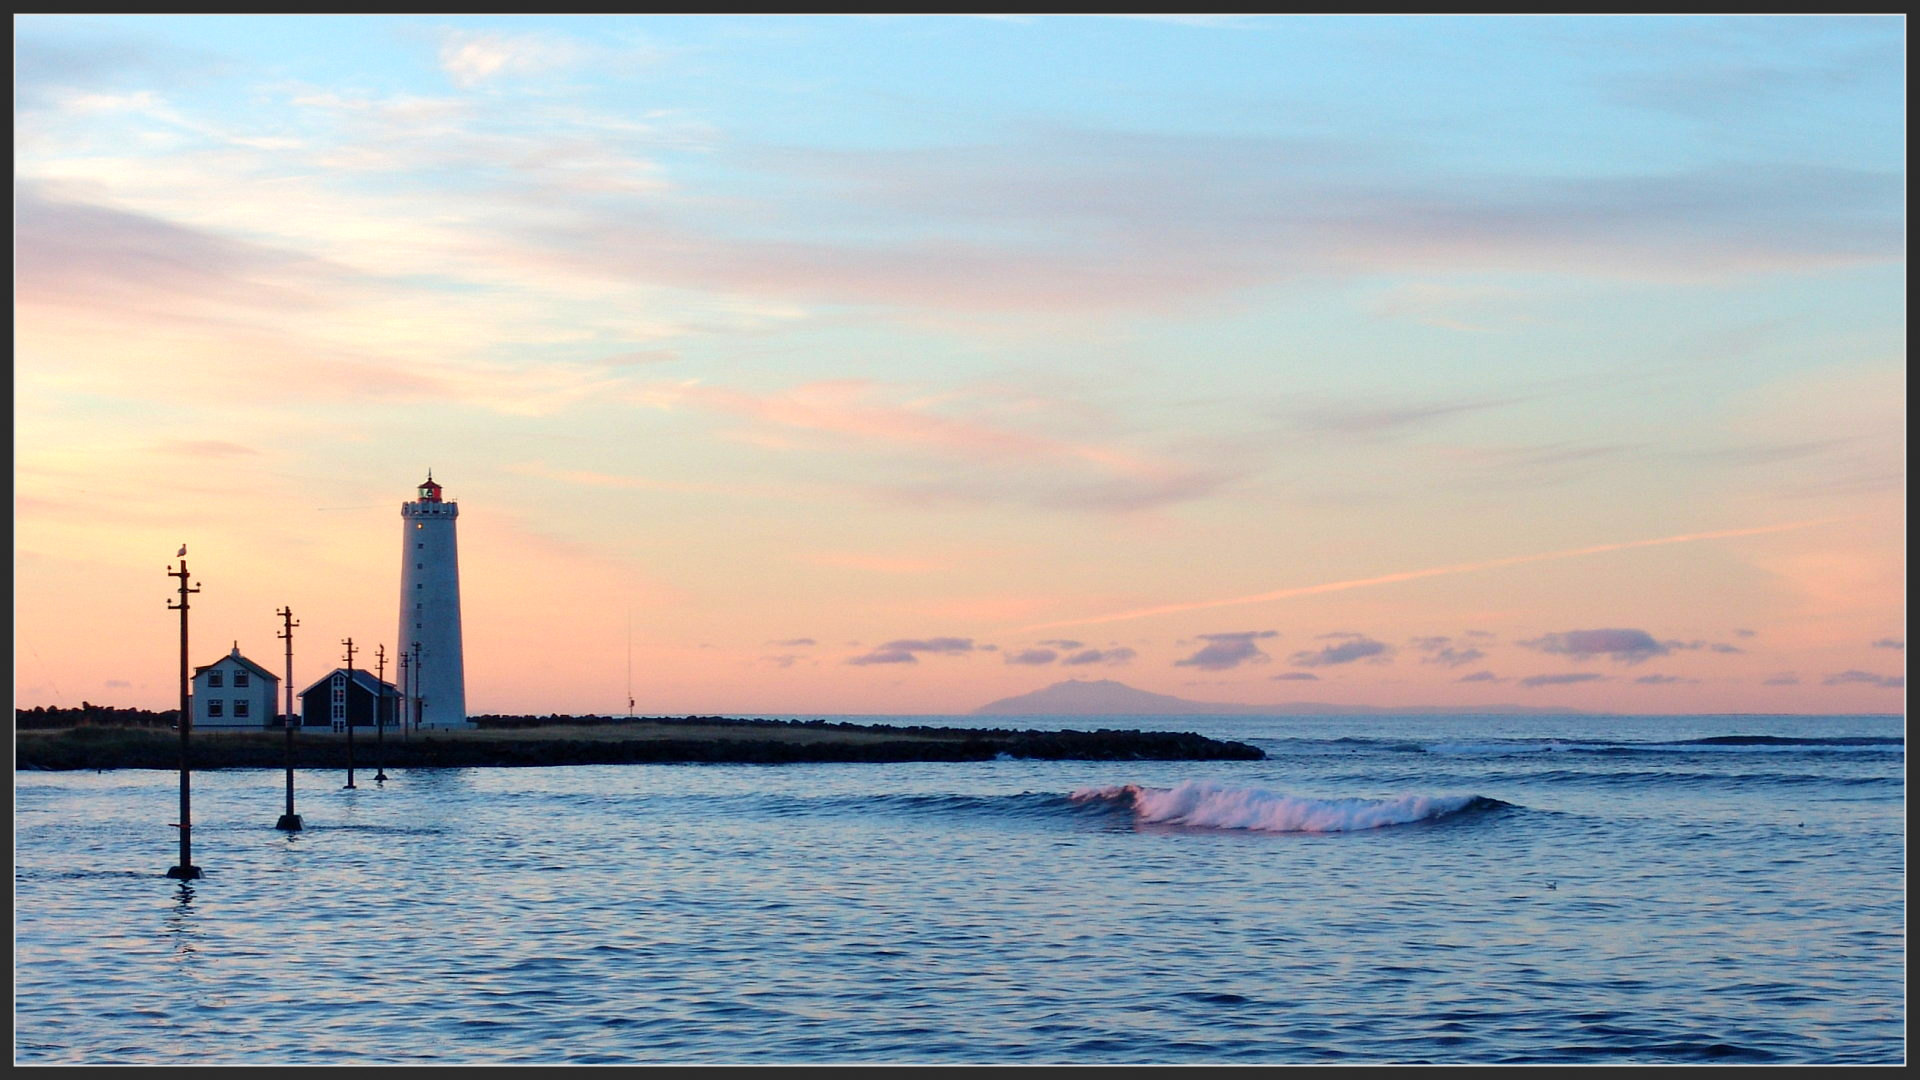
(336, 701)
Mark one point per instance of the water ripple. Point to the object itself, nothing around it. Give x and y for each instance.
(954, 914)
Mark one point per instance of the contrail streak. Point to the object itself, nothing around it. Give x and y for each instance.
(1410, 575)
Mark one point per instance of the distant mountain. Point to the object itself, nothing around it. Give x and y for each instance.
(1104, 697)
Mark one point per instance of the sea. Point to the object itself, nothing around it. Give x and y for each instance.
(1380, 889)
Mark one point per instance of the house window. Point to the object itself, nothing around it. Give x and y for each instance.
(419, 584)
(213, 678)
(420, 547)
(240, 678)
(416, 626)
(419, 566)
(214, 708)
(239, 708)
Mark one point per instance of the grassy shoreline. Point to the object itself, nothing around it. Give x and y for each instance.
(593, 741)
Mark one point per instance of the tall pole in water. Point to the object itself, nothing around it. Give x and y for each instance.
(186, 870)
(347, 708)
(380, 719)
(289, 821)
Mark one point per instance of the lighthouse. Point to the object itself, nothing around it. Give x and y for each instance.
(430, 608)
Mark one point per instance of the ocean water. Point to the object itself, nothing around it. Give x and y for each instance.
(1484, 889)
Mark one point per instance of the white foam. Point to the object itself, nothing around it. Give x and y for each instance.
(1219, 807)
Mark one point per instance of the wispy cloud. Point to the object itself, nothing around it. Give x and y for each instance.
(884, 656)
(472, 58)
(591, 478)
(951, 441)
(1129, 218)
(1031, 656)
(1855, 677)
(1441, 650)
(1113, 657)
(1890, 643)
(880, 563)
(1414, 575)
(1375, 421)
(93, 256)
(1622, 645)
(206, 448)
(1356, 647)
(1230, 650)
(1710, 646)
(906, 650)
(1561, 680)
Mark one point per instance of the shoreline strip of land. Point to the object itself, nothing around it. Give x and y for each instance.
(529, 741)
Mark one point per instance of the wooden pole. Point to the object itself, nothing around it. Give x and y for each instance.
(186, 871)
(289, 821)
(346, 709)
(380, 719)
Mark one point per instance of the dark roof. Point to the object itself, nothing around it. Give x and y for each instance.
(243, 662)
(361, 676)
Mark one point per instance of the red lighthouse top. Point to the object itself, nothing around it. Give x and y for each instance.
(429, 491)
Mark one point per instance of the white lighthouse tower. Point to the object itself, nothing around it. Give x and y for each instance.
(430, 609)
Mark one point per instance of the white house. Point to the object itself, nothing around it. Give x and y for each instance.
(234, 692)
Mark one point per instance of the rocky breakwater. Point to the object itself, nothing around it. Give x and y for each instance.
(555, 740)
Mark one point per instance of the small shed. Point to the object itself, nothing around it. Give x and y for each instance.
(234, 692)
(338, 700)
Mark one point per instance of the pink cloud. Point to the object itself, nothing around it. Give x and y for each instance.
(92, 257)
(877, 420)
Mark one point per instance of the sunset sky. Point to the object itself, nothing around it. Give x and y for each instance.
(896, 365)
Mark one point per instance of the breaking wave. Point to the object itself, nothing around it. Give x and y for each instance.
(1216, 806)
